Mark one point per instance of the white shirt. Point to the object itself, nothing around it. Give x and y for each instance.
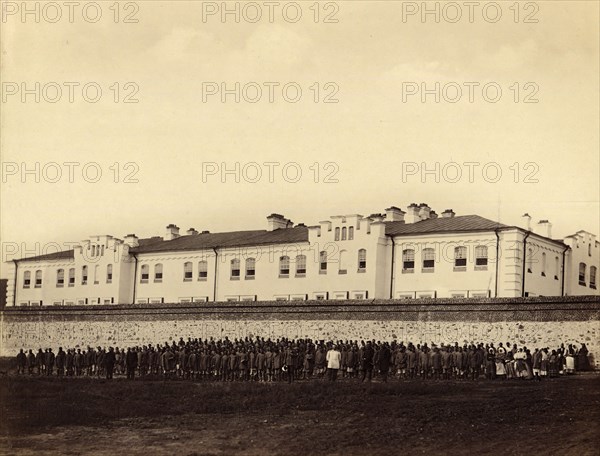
(334, 358)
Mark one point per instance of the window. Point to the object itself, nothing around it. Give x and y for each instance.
(102, 251)
(235, 269)
(26, 279)
(529, 260)
(84, 275)
(60, 278)
(202, 270)
(350, 233)
(582, 274)
(38, 278)
(188, 271)
(481, 258)
(300, 266)
(158, 272)
(337, 234)
(343, 269)
(145, 274)
(284, 266)
(344, 233)
(593, 272)
(250, 268)
(72, 277)
(93, 251)
(408, 261)
(556, 268)
(428, 260)
(543, 264)
(362, 260)
(590, 248)
(323, 262)
(109, 273)
(96, 274)
(460, 258)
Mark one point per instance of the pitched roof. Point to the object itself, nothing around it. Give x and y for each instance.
(63, 255)
(230, 239)
(443, 224)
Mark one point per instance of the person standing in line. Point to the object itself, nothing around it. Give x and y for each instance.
(21, 362)
(334, 360)
(30, 362)
(109, 363)
(384, 359)
(50, 362)
(367, 361)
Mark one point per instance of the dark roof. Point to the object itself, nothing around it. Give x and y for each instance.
(443, 224)
(63, 255)
(231, 239)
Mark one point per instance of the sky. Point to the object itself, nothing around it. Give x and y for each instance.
(117, 124)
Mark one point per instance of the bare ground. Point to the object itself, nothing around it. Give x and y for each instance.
(90, 416)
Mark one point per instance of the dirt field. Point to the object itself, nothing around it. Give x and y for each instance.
(87, 416)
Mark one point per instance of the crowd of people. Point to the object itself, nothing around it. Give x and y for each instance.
(265, 360)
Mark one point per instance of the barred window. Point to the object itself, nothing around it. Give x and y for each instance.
(350, 233)
(300, 265)
(481, 255)
(158, 272)
(72, 277)
(337, 234)
(593, 273)
(408, 259)
(38, 278)
(460, 257)
(60, 278)
(284, 266)
(582, 268)
(235, 269)
(344, 233)
(145, 273)
(544, 264)
(428, 259)
(362, 259)
(84, 275)
(109, 269)
(26, 279)
(202, 270)
(188, 271)
(323, 262)
(250, 267)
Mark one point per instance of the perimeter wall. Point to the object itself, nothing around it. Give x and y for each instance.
(534, 322)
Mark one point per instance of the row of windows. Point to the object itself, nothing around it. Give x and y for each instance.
(460, 259)
(346, 233)
(250, 268)
(60, 276)
(582, 274)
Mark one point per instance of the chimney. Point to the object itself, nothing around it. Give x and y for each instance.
(205, 232)
(412, 214)
(424, 211)
(132, 240)
(376, 217)
(394, 214)
(433, 215)
(191, 232)
(527, 218)
(277, 221)
(545, 228)
(172, 232)
(448, 213)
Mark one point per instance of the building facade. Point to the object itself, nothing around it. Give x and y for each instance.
(412, 254)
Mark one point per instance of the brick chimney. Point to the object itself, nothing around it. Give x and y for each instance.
(424, 211)
(433, 215)
(277, 221)
(527, 219)
(172, 232)
(412, 213)
(131, 240)
(394, 214)
(191, 232)
(545, 228)
(448, 213)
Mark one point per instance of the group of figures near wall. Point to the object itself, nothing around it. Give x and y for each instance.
(257, 359)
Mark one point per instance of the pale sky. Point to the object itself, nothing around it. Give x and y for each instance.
(369, 57)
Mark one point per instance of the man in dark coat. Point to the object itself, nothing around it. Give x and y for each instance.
(21, 362)
(384, 358)
(131, 362)
(109, 363)
(367, 361)
(49, 362)
(60, 362)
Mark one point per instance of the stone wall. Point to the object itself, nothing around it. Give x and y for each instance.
(535, 322)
